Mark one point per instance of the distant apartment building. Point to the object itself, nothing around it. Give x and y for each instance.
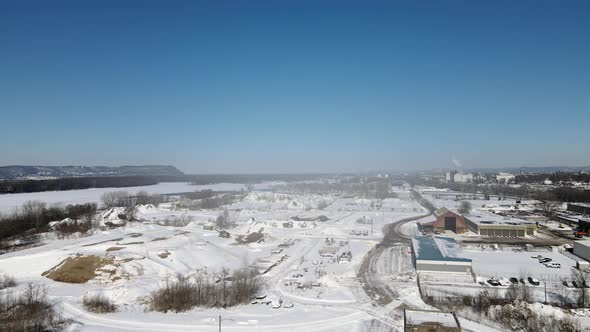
(450, 176)
(463, 178)
(505, 177)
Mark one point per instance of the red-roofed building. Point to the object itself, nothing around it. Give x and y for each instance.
(447, 220)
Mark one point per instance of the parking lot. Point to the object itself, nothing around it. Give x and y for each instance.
(508, 264)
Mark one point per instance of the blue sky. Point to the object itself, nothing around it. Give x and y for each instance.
(295, 86)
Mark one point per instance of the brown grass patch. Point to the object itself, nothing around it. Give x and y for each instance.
(78, 269)
(115, 248)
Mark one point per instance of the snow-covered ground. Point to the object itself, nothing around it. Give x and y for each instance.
(310, 253)
(309, 257)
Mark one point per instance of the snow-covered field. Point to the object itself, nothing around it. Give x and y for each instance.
(308, 257)
(309, 250)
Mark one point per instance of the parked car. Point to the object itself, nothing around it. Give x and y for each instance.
(514, 281)
(287, 304)
(545, 260)
(553, 265)
(276, 304)
(537, 257)
(575, 284)
(494, 282)
(533, 281)
(505, 282)
(522, 281)
(565, 283)
(260, 296)
(482, 283)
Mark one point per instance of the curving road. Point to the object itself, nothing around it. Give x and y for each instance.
(390, 257)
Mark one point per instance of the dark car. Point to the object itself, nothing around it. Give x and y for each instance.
(534, 281)
(545, 260)
(514, 281)
(575, 284)
(522, 281)
(494, 282)
(565, 283)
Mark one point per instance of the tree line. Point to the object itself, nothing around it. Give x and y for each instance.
(29, 186)
(34, 217)
(523, 191)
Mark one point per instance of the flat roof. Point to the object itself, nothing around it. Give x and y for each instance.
(585, 243)
(494, 219)
(586, 205)
(437, 248)
(417, 317)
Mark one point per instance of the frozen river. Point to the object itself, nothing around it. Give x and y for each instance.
(8, 202)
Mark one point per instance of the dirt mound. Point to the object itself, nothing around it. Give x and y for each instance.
(318, 218)
(251, 238)
(78, 269)
(159, 239)
(115, 248)
(129, 243)
(101, 242)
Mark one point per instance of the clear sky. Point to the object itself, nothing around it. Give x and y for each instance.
(295, 86)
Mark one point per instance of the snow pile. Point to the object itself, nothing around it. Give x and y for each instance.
(147, 209)
(296, 205)
(283, 224)
(111, 216)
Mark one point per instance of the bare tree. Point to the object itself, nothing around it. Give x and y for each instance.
(116, 198)
(142, 197)
(581, 279)
(549, 204)
(563, 294)
(34, 211)
(109, 199)
(465, 207)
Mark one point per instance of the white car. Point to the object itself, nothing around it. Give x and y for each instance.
(276, 304)
(287, 304)
(553, 265)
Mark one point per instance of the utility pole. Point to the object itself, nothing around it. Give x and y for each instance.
(545, 292)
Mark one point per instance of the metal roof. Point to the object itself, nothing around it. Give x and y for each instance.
(438, 248)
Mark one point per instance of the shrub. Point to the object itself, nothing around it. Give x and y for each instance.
(185, 293)
(98, 303)
(7, 281)
(29, 311)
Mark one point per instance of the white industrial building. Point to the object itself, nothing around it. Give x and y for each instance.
(437, 254)
(463, 178)
(505, 177)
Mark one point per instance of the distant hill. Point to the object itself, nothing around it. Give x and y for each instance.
(44, 172)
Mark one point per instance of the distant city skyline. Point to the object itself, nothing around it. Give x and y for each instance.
(295, 86)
